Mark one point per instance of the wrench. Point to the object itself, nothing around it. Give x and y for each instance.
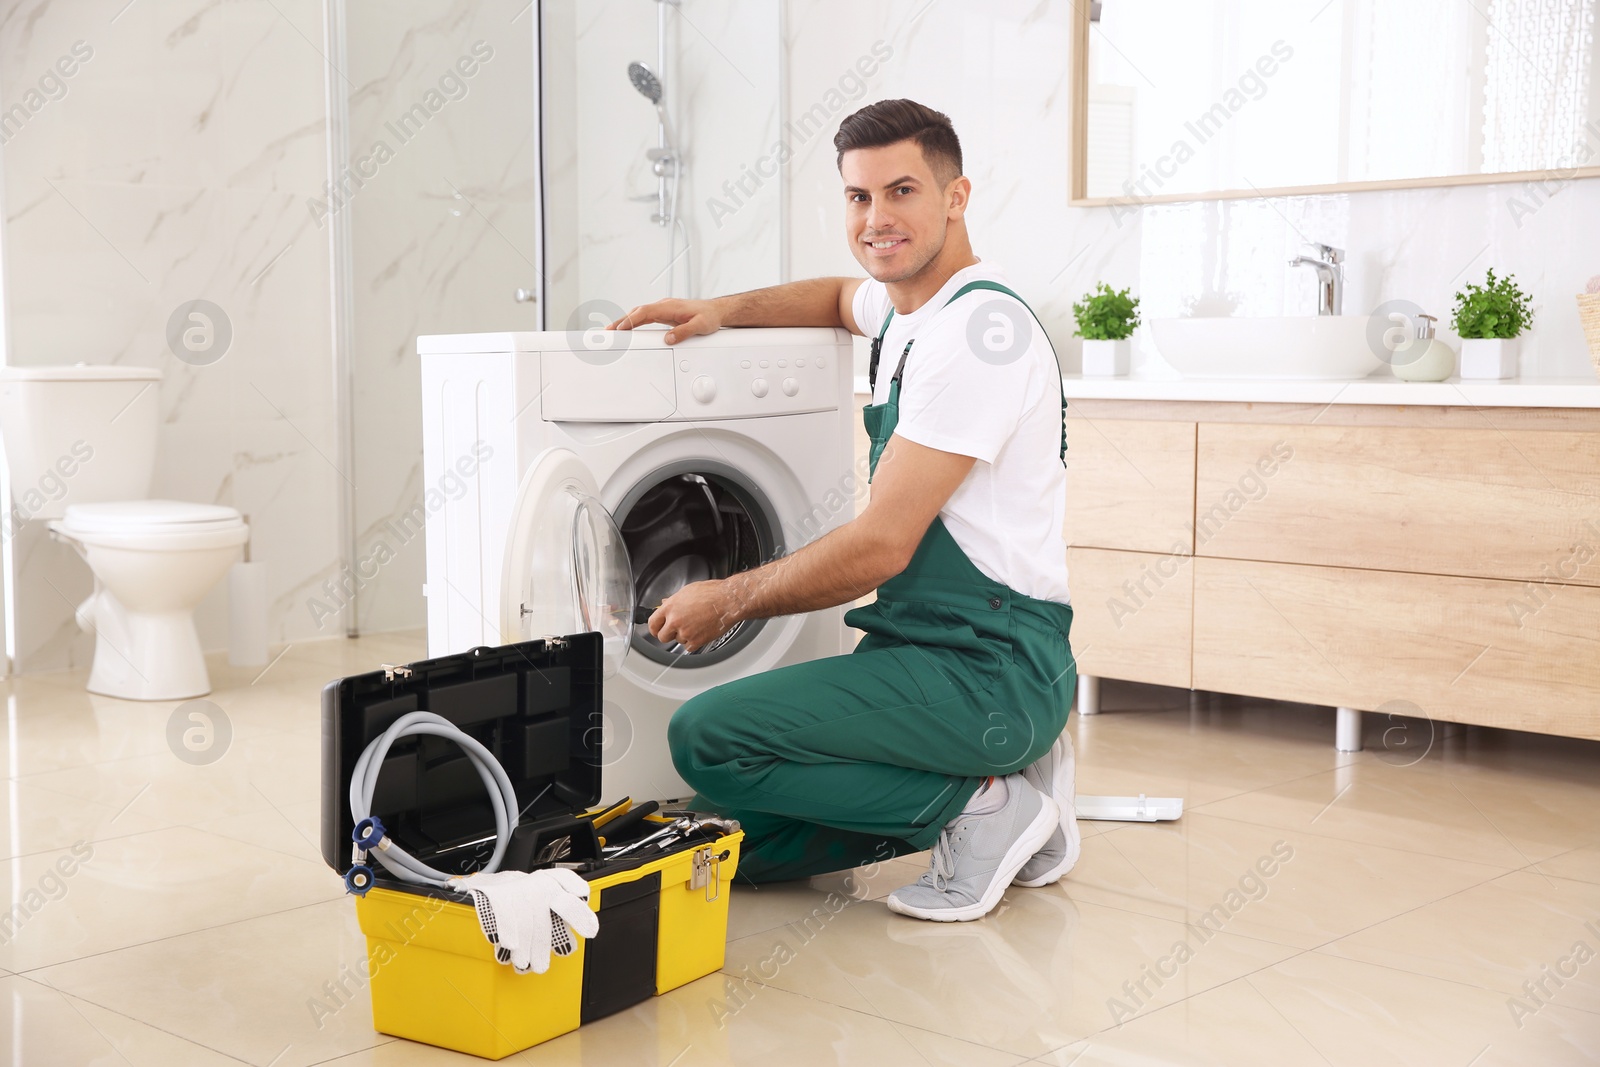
(682, 827)
(679, 827)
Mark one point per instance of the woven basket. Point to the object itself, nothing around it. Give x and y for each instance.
(1589, 315)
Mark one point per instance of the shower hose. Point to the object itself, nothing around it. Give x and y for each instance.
(369, 834)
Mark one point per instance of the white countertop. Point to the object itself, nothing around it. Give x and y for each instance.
(1580, 392)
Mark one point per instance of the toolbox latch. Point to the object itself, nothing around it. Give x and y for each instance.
(701, 872)
(705, 871)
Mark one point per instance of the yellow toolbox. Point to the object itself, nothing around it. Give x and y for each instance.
(536, 706)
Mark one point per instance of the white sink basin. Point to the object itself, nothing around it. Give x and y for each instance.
(1318, 348)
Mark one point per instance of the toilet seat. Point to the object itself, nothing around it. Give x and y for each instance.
(153, 525)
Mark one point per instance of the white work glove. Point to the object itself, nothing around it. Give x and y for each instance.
(524, 912)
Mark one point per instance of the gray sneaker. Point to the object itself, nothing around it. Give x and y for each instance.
(976, 857)
(1054, 774)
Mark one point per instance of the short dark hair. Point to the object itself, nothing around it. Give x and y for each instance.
(892, 121)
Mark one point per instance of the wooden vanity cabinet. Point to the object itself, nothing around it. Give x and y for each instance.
(1440, 559)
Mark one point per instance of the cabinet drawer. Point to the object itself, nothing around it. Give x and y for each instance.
(1131, 614)
(1521, 504)
(1461, 649)
(1130, 484)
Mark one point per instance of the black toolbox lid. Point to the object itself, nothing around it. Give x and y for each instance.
(536, 705)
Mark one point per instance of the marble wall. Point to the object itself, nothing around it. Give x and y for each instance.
(174, 163)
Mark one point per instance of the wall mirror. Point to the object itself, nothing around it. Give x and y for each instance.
(1214, 99)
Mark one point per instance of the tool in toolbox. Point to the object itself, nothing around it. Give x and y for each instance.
(624, 824)
(676, 832)
(660, 907)
(369, 833)
(605, 815)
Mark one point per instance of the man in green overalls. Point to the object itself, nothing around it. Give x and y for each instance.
(943, 730)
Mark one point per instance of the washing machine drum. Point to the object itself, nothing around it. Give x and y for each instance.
(689, 528)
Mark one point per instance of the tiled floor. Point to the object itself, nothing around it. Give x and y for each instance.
(1308, 908)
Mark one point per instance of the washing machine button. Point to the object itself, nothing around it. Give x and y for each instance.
(704, 388)
(764, 364)
(783, 363)
(759, 387)
(790, 387)
(744, 363)
(683, 365)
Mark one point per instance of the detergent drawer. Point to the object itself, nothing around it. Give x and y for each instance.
(607, 385)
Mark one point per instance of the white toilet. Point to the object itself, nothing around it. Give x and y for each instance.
(81, 447)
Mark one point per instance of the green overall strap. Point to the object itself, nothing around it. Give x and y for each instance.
(997, 287)
(877, 347)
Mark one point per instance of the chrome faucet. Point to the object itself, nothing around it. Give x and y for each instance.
(1330, 276)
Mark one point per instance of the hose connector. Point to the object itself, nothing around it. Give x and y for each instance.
(369, 833)
(358, 880)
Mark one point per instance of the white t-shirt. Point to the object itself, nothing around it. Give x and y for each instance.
(982, 381)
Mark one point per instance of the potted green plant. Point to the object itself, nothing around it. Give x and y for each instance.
(1106, 319)
(1489, 319)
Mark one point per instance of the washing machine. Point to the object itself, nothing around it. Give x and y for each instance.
(575, 480)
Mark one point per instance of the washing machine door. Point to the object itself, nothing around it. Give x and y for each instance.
(566, 567)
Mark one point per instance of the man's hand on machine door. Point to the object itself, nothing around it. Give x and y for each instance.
(695, 615)
(688, 318)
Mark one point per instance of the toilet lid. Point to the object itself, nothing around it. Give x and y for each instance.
(149, 516)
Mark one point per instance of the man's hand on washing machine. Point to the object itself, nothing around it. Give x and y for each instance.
(695, 615)
(813, 302)
(688, 318)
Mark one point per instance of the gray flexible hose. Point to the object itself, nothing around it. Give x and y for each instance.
(502, 796)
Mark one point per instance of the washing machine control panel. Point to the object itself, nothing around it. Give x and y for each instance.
(732, 383)
(725, 376)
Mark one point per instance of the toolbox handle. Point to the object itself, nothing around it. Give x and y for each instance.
(714, 890)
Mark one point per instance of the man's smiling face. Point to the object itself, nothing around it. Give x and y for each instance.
(896, 210)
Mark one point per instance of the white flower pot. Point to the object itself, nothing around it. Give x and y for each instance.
(1489, 357)
(1107, 359)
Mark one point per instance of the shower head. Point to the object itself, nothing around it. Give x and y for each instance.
(645, 80)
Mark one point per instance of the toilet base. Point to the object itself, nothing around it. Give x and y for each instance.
(149, 656)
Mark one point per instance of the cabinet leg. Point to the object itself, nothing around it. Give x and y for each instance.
(1088, 695)
(1347, 730)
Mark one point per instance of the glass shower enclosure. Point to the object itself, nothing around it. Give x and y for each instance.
(500, 165)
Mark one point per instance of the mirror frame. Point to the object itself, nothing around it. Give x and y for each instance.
(1078, 179)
